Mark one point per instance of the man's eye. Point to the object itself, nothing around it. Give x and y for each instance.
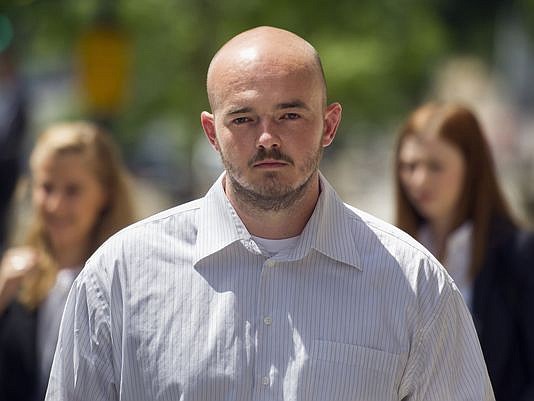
(291, 116)
(240, 120)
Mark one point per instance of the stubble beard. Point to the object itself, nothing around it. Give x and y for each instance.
(270, 195)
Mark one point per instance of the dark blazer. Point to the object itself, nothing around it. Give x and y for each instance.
(503, 312)
(18, 357)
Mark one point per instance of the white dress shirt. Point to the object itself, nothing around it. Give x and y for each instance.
(273, 246)
(48, 321)
(185, 306)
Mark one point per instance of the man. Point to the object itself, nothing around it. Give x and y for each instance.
(269, 287)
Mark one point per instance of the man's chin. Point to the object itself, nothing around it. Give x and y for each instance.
(274, 190)
(271, 175)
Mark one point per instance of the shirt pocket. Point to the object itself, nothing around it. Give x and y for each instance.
(340, 372)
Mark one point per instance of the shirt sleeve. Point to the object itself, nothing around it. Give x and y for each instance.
(83, 364)
(448, 364)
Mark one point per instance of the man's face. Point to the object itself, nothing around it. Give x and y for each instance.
(269, 124)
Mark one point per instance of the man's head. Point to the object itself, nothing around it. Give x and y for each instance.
(263, 44)
(269, 119)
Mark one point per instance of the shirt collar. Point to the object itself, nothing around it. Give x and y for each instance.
(218, 224)
(328, 230)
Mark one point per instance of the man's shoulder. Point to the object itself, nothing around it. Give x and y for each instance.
(175, 223)
(396, 260)
(144, 243)
(377, 240)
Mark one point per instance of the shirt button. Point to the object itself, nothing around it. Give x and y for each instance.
(267, 320)
(265, 381)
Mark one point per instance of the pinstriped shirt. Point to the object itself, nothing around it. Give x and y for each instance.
(185, 306)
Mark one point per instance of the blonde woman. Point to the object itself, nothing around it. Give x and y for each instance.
(80, 198)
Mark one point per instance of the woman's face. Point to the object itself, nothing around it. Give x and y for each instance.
(68, 198)
(432, 171)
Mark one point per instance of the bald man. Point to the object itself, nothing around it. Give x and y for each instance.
(269, 287)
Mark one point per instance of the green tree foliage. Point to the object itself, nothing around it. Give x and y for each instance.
(378, 55)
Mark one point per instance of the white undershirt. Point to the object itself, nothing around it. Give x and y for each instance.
(457, 256)
(276, 246)
(49, 318)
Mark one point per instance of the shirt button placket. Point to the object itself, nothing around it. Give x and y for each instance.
(269, 263)
(264, 308)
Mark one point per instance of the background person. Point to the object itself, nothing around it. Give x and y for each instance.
(13, 124)
(449, 199)
(80, 197)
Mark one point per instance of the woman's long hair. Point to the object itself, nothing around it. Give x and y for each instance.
(482, 199)
(103, 160)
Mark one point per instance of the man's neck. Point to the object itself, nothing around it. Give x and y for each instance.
(283, 223)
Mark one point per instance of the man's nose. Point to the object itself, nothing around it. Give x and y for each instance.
(268, 137)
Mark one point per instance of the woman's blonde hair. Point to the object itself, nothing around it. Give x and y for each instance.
(103, 160)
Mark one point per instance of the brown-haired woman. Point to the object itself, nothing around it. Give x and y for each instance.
(80, 197)
(448, 197)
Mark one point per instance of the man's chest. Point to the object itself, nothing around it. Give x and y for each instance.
(262, 331)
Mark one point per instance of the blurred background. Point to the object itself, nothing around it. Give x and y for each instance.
(138, 67)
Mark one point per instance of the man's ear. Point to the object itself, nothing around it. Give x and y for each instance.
(208, 125)
(331, 122)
